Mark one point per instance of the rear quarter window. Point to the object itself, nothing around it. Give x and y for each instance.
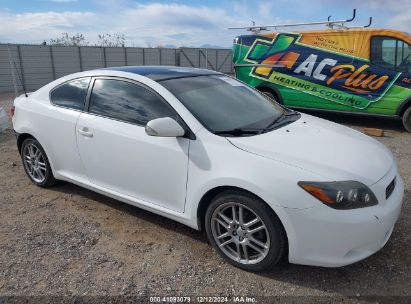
(71, 94)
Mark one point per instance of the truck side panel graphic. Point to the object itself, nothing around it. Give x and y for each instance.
(325, 67)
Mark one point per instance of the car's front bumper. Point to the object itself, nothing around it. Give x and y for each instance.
(323, 236)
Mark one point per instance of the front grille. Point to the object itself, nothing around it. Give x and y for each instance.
(390, 189)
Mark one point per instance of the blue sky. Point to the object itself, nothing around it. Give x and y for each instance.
(180, 22)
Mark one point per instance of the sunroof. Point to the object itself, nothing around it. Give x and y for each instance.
(163, 72)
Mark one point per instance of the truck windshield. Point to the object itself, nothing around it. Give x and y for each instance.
(226, 106)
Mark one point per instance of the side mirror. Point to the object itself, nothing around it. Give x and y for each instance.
(164, 127)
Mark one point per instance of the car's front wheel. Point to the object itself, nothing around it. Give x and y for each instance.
(245, 231)
(36, 163)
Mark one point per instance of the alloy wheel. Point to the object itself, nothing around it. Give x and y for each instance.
(240, 233)
(34, 163)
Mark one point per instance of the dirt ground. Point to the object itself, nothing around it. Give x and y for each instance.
(70, 241)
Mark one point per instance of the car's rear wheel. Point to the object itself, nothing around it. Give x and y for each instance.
(36, 163)
(245, 231)
(406, 119)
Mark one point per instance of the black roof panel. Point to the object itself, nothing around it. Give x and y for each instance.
(163, 72)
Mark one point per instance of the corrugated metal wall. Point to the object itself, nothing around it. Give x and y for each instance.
(32, 66)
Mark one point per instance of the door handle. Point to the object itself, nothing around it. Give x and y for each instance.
(85, 132)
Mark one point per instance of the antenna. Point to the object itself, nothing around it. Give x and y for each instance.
(21, 82)
(331, 24)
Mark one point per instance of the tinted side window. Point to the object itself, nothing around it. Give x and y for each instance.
(403, 57)
(71, 94)
(127, 101)
(390, 53)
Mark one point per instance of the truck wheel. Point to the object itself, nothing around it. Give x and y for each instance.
(270, 95)
(406, 119)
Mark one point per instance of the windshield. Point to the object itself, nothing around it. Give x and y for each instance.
(222, 103)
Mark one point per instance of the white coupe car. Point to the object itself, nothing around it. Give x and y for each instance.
(206, 150)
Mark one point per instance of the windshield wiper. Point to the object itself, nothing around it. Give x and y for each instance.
(292, 113)
(281, 117)
(239, 131)
(256, 131)
(276, 120)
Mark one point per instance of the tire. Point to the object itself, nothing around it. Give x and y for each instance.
(232, 239)
(406, 119)
(36, 164)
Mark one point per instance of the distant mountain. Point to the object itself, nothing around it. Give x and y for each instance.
(211, 46)
(205, 46)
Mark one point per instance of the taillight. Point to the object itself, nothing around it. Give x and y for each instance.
(12, 111)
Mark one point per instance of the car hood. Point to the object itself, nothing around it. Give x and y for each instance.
(332, 151)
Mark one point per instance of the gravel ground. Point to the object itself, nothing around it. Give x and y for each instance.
(70, 241)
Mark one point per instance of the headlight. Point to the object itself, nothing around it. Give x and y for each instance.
(341, 195)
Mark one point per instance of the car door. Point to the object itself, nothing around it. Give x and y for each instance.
(118, 154)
